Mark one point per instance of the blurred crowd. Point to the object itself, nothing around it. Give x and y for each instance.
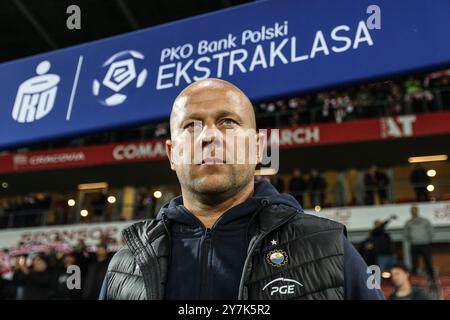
(45, 275)
(34, 272)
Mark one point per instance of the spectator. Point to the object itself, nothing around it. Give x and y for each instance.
(404, 290)
(415, 95)
(394, 99)
(364, 102)
(96, 273)
(419, 233)
(39, 280)
(383, 183)
(370, 185)
(293, 103)
(6, 289)
(366, 251)
(383, 248)
(339, 105)
(64, 293)
(420, 180)
(271, 107)
(441, 81)
(162, 130)
(81, 256)
(317, 187)
(18, 279)
(298, 186)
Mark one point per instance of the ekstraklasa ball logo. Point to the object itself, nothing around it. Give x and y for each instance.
(119, 77)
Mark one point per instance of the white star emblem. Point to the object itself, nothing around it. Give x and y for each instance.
(273, 242)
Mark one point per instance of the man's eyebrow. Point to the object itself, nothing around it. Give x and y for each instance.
(218, 114)
(227, 113)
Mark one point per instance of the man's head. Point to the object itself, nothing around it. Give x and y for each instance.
(40, 263)
(414, 212)
(377, 223)
(102, 252)
(69, 259)
(203, 117)
(297, 173)
(399, 275)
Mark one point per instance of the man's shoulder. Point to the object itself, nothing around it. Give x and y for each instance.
(143, 225)
(122, 261)
(311, 223)
(140, 229)
(419, 293)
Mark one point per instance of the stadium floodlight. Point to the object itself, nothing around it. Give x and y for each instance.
(438, 157)
(157, 194)
(71, 202)
(84, 213)
(430, 188)
(93, 186)
(111, 199)
(431, 173)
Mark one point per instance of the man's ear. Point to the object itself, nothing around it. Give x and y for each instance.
(169, 152)
(261, 142)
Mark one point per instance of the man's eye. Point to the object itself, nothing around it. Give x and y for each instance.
(228, 121)
(192, 125)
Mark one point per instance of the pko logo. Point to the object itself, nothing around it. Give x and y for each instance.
(35, 97)
(121, 74)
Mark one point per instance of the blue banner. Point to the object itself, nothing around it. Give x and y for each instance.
(267, 48)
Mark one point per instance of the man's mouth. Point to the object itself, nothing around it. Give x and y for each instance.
(210, 161)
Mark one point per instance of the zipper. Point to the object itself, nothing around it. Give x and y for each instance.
(199, 221)
(204, 258)
(206, 245)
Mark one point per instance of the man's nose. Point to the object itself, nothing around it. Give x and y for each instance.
(210, 134)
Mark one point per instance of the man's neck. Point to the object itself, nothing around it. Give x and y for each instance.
(404, 290)
(209, 212)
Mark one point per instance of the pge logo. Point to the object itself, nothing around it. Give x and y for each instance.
(121, 74)
(285, 286)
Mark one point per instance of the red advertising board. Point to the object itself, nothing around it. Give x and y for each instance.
(290, 137)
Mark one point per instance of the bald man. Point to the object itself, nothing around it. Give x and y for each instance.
(227, 236)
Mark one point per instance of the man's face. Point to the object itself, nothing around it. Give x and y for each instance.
(377, 223)
(69, 260)
(39, 265)
(101, 252)
(202, 123)
(399, 277)
(414, 212)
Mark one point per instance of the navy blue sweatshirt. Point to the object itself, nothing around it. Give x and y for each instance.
(215, 257)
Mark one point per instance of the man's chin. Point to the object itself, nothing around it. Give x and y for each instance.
(212, 184)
